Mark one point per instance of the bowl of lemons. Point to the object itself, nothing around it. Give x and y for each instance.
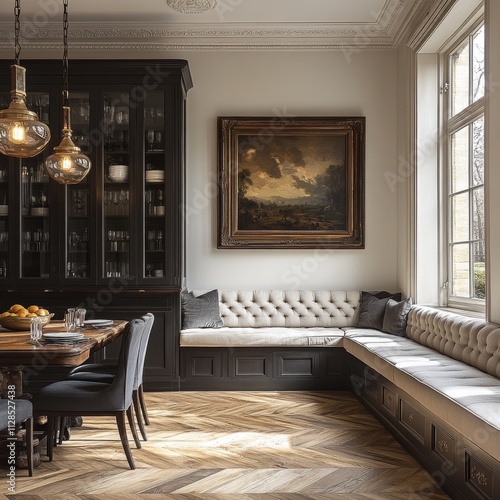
(19, 317)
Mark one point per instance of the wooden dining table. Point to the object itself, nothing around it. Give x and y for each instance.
(18, 353)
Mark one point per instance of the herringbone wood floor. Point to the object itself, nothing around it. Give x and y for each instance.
(232, 446)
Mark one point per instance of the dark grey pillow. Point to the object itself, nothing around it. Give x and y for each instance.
(372, 309)
(396, 314)
(202, 311)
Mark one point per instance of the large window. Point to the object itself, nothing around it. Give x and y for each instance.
(465, 180)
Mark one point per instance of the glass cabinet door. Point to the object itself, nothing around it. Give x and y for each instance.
(35, 205)
(118, 173)
(78, 262)
(4, 217)
(154, 187)
(35, 227)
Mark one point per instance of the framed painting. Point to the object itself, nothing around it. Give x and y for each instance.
(291, 182)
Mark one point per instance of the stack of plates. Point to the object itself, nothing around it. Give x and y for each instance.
(4, 209)
(98, 323)
(62, 337)
(118, 173)
(155, 175)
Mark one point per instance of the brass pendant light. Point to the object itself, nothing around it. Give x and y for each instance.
(22, 135)
(67, 165)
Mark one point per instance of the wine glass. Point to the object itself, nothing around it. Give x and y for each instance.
(151, 139)
(149, 268)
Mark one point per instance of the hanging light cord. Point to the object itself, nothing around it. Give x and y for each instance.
(17, 29)
(65, 54)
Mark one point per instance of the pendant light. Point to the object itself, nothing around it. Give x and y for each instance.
(22, 135)
(67, 165)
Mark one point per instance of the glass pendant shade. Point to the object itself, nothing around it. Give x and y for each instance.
(68, 165)
(22, 135)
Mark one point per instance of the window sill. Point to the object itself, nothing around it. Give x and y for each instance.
(463, 312)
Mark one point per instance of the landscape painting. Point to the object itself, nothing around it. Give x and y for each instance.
(292, 183)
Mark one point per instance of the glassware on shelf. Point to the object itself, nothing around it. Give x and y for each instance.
(150, 139)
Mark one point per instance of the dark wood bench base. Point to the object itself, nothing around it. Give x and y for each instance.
(461, 468)
(257, 368)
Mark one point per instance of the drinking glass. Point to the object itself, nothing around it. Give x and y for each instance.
(36, 329)
(151, 139)
(80, 317)
(69, 319)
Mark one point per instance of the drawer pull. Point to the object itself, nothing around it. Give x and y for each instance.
(480, 477)
(443, 446)
(411, 417)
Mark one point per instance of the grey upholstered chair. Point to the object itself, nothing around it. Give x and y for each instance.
(23, 413)
(77, 397)
(102, 372)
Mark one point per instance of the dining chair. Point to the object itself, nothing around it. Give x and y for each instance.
(68, 398)
(22, 411)
(105, 372)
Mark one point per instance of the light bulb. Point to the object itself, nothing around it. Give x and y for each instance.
(66, 163)
(17, 133)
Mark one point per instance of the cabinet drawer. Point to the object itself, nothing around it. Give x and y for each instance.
(389, 400)
(478, 476)
(371, 382)
(412, 419)
(443, 444)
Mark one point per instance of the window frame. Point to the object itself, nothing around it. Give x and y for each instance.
(451, 125)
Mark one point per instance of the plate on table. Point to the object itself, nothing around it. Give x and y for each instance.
(62, 336)
(98, 323)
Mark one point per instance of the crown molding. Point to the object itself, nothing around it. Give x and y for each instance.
(383, 32)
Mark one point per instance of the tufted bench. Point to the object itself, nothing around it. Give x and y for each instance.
(263, 318)
(437, 389)
(271, 340)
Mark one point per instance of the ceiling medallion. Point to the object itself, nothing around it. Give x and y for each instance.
(192, 6)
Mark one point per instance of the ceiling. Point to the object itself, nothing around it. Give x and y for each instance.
(232, 24)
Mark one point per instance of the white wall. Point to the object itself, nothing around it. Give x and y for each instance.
(323, 83)
(299, 84)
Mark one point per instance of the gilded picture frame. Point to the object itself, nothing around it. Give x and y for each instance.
(291, 182)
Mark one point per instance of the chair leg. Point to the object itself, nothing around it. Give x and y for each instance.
(50, 437)
(137, 410)
(120, 422)
(131, 423)
(143, 405)
(62, 426)
(29, 444)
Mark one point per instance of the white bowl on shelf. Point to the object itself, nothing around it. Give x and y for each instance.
(118, 173)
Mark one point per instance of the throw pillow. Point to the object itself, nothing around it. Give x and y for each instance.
(372, 309)
(396, 314)
(202, 311)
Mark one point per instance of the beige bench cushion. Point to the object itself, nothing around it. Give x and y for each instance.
(468, 401)
(261, 337)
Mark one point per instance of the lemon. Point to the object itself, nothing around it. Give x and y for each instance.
(6, 313)
(33, 309)
(42, 312)
(15, 308)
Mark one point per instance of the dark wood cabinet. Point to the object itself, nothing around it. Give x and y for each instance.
(113, 243)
